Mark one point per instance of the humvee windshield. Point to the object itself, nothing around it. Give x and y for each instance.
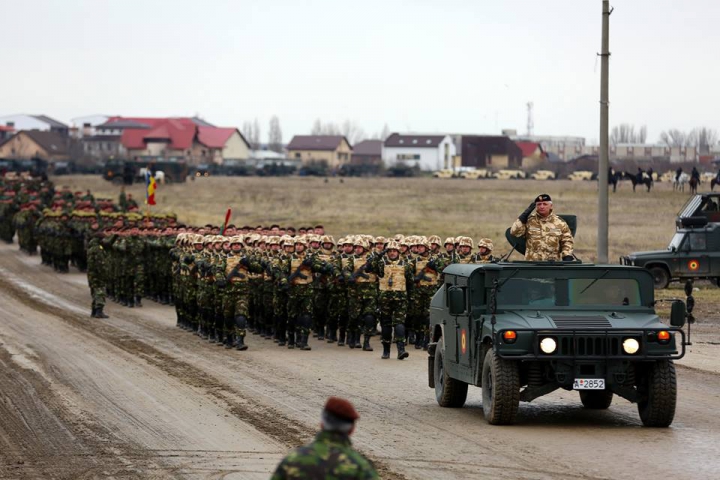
(563, 292)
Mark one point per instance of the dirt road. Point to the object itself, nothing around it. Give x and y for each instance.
(135, 397)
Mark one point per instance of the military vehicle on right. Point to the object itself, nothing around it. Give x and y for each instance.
(694, 250)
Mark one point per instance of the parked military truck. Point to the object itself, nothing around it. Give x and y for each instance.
(694, 250)
(521, 330)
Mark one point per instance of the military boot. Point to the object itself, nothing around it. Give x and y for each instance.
(100, 314)
(138, 301)
(366, 344)
(303, 342)
(411, 337)
(386, 350)
(291, 340)
(321, 333)
(351, 339)
(93, 313)
(212, 335)
(281, 339)
(341, 339)
(229, 341)
(240, 343)
(402, 354)
(331, 336)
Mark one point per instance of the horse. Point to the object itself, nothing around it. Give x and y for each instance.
(613, 179)
(680, 182)
(694, 182)
(713, 182)
(646, 180)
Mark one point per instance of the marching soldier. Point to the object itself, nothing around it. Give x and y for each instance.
(395, 273)
(362, 297)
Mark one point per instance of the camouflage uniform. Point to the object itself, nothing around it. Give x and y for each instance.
(547, 238)
(96, 275)
(322, 291)
(426, 270)
(330, 456)
(362, 299)
(237, 295)
(299, 269)
(395, 275)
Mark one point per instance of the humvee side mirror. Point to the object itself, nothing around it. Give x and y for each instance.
(456, 300)
(677, 314)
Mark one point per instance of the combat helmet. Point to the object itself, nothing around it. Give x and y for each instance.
(465, 242)
(485, 242)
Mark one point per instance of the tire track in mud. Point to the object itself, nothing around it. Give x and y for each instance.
(264, 418)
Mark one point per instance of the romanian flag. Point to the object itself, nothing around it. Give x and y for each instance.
(151, 187)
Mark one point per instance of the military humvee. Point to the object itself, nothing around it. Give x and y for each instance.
(694, 250)
(520, 330)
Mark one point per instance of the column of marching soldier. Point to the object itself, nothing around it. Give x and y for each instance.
(279, 283)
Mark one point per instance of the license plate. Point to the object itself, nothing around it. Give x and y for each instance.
(589, 384)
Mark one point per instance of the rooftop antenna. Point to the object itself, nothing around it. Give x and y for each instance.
(530, 121)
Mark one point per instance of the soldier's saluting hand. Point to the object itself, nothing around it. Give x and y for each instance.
(547, 236)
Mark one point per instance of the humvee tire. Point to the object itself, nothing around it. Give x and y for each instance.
(500, 389)
(596, 399)
(449, 392)
(657, 409)
(661, 277)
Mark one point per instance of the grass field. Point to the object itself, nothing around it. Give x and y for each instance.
(385, 206)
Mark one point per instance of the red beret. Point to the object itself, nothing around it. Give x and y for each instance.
(341, 408)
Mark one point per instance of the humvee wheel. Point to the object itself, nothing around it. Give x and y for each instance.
(449, 392)
(657, 409)
(661, 277)
(500, 389)
(596, 399)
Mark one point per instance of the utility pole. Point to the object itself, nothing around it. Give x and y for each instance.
(603, 163)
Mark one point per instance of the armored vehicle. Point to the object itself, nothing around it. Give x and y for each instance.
(694, 250)
(520, 330)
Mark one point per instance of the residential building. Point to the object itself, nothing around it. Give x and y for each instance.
(490, 151)
(215, 145)
(532, 154)
(335, 150)
(34, 122)
(564, 147)
(367, 152)
(85, 126)
(6, 132)
(426, 152)
(643, 152)
(49, 146)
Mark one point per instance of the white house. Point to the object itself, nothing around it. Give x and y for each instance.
(34, 122)
(85, 126)
(428, 152)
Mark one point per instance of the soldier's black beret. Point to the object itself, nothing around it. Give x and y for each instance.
(543, 197)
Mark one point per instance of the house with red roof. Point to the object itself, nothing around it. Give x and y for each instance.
(181, 139)
(532, 153)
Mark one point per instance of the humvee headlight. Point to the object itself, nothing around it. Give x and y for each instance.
(548, 345)
(631, 346)
(509, 336)
(663, 336)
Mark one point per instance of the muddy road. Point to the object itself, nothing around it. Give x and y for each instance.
(135, 397)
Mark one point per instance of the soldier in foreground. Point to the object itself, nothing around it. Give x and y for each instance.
(548, 237)
(331, 454)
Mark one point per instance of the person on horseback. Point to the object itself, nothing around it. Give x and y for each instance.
(640, 176)
(678, 172)
(695, 174)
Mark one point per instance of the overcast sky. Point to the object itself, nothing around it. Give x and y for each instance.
(432, 66)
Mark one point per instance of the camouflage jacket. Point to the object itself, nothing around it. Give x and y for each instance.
(547, 238)
(330, 456)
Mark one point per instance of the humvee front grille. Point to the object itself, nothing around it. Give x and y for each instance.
(580, 346)
(590, 321)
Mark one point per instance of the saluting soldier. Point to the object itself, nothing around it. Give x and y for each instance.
(547, 236)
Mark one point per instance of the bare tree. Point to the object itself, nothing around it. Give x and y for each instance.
(256, 134)
(275, 135)
(247, 131)
(317, 128)
(673, 138)
(702, 138)
(353, 132)
(626, 133)
(385, 132)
